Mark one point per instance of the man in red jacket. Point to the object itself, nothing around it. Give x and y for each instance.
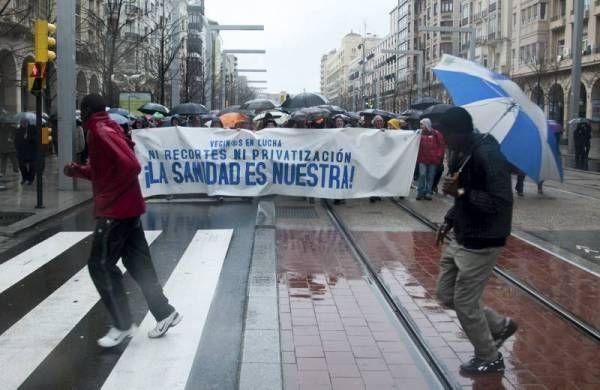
(431, 153)
(118, 203)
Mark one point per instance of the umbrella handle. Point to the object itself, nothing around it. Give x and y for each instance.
(468, 158)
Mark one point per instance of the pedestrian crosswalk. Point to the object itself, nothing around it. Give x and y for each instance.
(145, 363)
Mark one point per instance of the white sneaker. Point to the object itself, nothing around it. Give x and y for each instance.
(164, 325)
(116, 336)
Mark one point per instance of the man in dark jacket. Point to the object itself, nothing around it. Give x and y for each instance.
(118, 203)
(582, 137)
(26, 150)
(479, 181)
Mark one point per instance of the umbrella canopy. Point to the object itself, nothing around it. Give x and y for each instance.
(236, 110)
(436, 110)
(411, 114)
(233, 119)
(30, 116)
(120, 111)
(314, 113)
(333, 109)
(555, 127)
(279, 117)
(303, 100)
(189, 109)
(258, 105)
(373, 112)
(425, 102)
(499, 107)
(151, 108)
(158, 115)
(120, 119)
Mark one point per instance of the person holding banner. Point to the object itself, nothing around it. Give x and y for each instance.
(431, 153)
(479, 181)
(118, 205)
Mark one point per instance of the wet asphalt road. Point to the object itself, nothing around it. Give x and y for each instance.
(77, 362)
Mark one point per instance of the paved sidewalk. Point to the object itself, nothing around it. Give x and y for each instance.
(335, 332)
(22, 198)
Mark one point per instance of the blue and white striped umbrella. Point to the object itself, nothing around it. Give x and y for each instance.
(499, 107)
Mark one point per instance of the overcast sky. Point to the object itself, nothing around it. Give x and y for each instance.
(297, 33)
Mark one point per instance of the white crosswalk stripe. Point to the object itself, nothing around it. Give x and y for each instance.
(27, 343)
(165, 363)
(17, 268)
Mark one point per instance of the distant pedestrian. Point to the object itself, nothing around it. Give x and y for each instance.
(26, 146)
(479, 182)
(378, 122)
(79, 141)
(582, 139)
(196, 121)
(216, 123)
(339, 122)
(7, 148)
(431, 153)
(118, 204)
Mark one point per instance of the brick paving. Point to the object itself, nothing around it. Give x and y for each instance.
(546, 353)
(575, 289)
(335, 333)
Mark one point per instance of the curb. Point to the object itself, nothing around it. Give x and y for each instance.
(43, 215)
(261, 351)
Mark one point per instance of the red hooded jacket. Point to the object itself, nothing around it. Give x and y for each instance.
(431, 148)
(113, 170)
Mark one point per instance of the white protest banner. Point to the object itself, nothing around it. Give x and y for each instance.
(322, 163)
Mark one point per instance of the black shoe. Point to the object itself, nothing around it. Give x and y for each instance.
(520, 193)
(419, 198)
(476, 366)
(427, 198)
(509, 329)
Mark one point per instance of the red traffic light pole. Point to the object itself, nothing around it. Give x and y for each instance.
(40, 161)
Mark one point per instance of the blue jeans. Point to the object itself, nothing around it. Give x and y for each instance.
(426, 176)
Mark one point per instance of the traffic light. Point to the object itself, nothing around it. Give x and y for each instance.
(42, 30)
(35, 76)
(46, 135)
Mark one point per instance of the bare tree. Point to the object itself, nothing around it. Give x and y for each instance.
(165, 46)
(246, 93)
(194, 81)
(115, 45)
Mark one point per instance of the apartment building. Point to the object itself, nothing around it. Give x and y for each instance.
(16, 51)
(542, 55)
(338, 65)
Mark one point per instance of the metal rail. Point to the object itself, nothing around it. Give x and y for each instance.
(564, 313)
(439, 369)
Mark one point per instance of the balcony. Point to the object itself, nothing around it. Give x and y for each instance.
(557, 22)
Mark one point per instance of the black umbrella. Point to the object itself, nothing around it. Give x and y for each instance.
(372, 112)
(436, 110)
(152, 108)
(189, 109)
(333, 109)
(258, 105)
(411, 114)
(313, 113)
(303, 100)
(425, 102)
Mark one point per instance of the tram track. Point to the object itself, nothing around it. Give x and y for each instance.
(444, 376)
(521, 285)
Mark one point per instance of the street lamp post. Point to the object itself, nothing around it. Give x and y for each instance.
(224, 53)
(420, 66)
(216, 28)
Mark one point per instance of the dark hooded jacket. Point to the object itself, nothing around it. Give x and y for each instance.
(482, 217)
